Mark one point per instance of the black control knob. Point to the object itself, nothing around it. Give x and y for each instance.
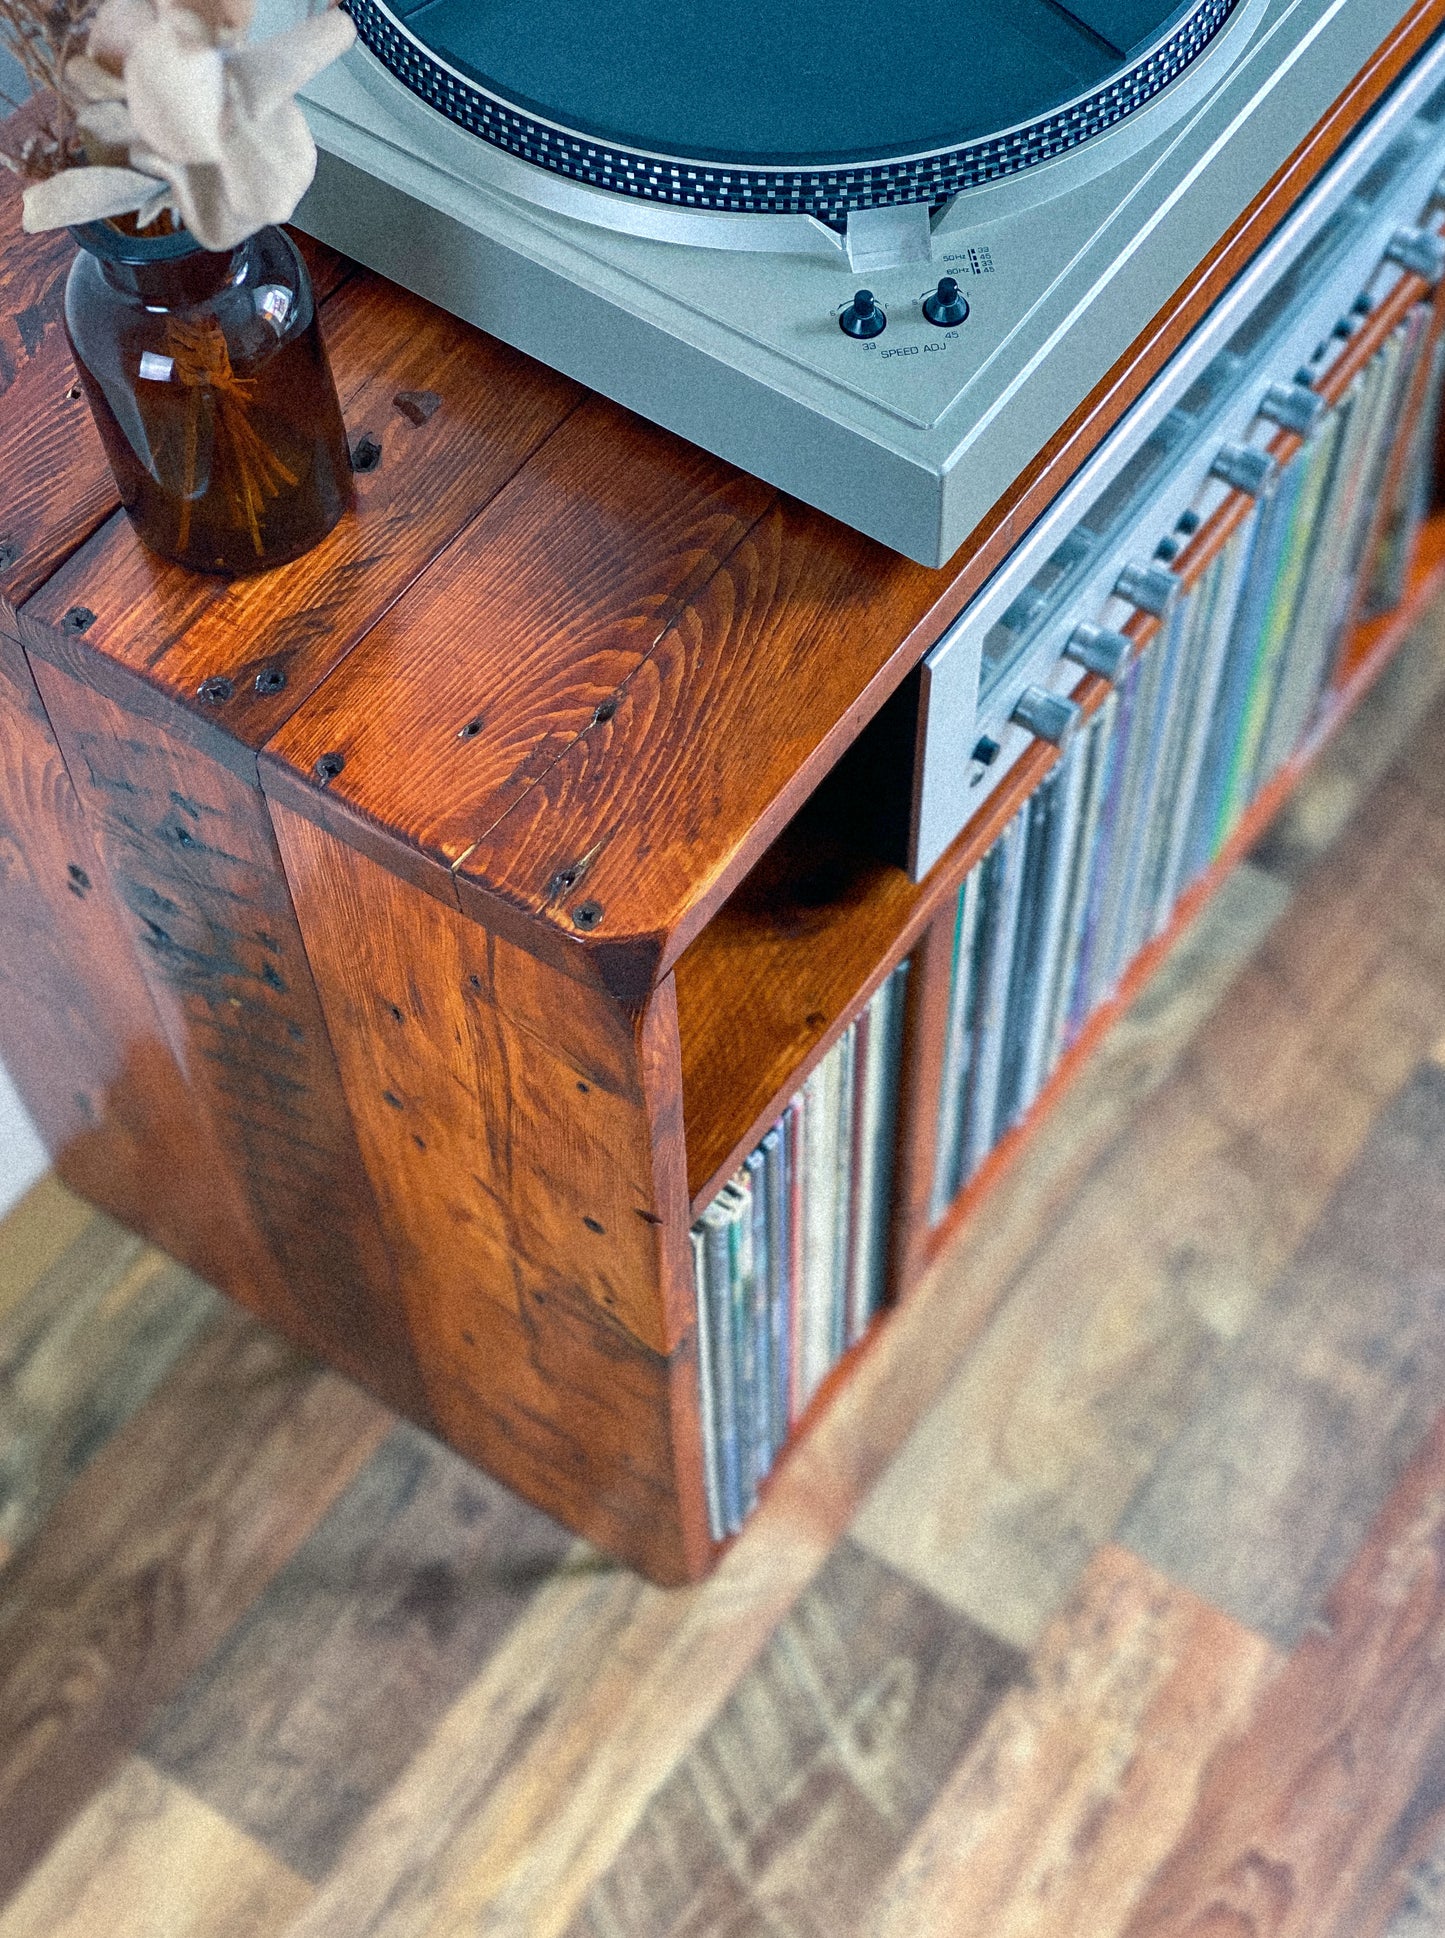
(863, 316)
(947, 305)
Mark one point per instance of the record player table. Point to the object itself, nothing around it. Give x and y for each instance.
(368, 931)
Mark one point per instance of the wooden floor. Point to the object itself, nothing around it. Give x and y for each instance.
(1142, 1633)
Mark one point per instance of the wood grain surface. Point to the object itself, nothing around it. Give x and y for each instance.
(804, 1790)
(176, 629)
(1088, 1775)
(88, 1049)
(501, 657)
(35, 1235)
(314, 1705)
(96, 1333)
(208, 921)
(1292, 1809)
(1304, 1426)
(148, 1859)
(508, 1126)
(160, 1545)
(57, 484)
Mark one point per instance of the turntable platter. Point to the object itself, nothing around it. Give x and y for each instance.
(816, 106)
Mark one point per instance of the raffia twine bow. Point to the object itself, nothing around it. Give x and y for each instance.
(252, 472)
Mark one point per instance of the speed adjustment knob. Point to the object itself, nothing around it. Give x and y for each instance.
(947, 305)
(1047, 716)
(863, 317)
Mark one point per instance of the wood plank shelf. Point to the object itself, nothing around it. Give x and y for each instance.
(431, 1052)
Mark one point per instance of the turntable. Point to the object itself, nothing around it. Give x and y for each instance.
(875, 251)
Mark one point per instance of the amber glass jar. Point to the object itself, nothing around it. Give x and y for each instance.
(209, 382)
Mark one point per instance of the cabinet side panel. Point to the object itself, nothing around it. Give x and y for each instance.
(515, 1125)
(207, 918)
(78, 1030)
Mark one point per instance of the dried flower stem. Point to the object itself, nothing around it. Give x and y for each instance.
(253, 472)
(45, 36)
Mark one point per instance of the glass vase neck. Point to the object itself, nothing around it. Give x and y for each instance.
(171, 271)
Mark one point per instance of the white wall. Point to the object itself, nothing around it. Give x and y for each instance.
(22, 1156)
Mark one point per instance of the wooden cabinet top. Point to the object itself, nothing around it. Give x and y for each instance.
(559, 668)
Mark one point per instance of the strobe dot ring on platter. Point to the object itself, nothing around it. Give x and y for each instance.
(814, 109)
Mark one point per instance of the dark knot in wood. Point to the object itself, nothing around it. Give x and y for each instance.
(417, 405)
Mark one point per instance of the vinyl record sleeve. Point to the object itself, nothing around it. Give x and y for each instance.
(1003, 886)
(707, 1401)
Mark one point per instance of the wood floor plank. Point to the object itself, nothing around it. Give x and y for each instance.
(1291, 1811)
(498, 1764)
(34, 1234)
(1420, 1912)
(150, 1558)
(1361, 952)
(79, 1356)
(1086, 1775)
(1372, 741)
(313, 1706)
(507, 1827)
(146, 1859)
(1400, 1879)
(1093, 1364)
(1303, 1427)
(788, 1813)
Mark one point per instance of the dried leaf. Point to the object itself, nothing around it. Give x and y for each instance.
(176, 94)
(85, 195)
(270, 72)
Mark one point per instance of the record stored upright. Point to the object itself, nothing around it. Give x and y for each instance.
(417, 939)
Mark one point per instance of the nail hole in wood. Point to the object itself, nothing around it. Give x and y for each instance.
(604, 713)
(216, 691)
(271, 679)
(390, 1097)
(365, 453)
(472, 729)
(592, 1225)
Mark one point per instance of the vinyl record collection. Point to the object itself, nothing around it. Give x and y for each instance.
(1150, 787)
(790, 1256)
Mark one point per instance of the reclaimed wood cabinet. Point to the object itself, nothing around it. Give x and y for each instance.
(413, 939)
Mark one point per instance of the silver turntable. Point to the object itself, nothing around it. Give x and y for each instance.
(680, 209)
